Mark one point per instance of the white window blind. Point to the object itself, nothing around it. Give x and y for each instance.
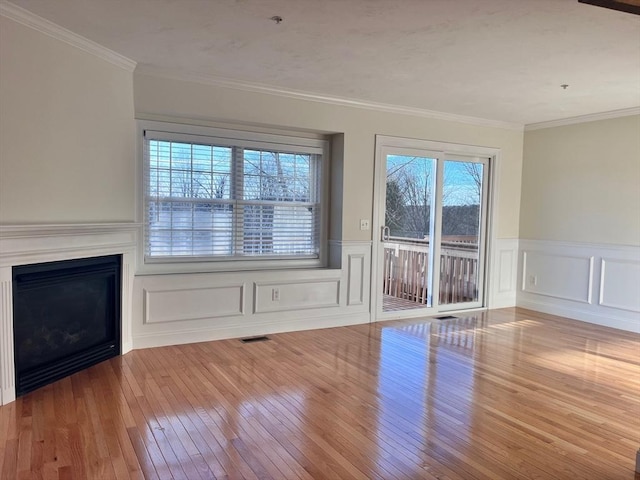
(229, 198)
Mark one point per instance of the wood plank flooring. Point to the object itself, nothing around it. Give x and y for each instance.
(505, 394)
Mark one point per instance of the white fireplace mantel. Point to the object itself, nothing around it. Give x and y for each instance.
(28, 244)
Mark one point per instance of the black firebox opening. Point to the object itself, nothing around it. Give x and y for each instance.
(66, 317)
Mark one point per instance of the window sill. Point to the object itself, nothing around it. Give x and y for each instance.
(159, 267)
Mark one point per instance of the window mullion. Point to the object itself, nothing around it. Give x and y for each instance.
(237, 195)
(172, 242)
(192, 194)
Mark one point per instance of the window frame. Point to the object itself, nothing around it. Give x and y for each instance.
(233, 137)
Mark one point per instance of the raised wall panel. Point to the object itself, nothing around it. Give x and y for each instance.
(356, 281)
(174, 305)
(596, 283)
(506, 263)
(620, 284)
(557, 275)
(502, 274)
(299, 295)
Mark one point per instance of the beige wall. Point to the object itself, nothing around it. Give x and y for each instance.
(581, 183)
(66, 132)
(67, 146)
(157, 97)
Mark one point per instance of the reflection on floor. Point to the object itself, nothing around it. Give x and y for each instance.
(504, 394)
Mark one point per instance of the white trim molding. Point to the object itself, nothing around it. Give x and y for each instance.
(236, 84)
(624, 112)
(28, 244)
(596, 283)
(31, 20)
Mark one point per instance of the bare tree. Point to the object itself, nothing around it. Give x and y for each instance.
(409, 197)
(394, 207)
(417, 193)
(475, 171)
(462, 217)
(410, 194)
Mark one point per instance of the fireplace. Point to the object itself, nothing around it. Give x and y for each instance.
(66, 318)
(46, 245)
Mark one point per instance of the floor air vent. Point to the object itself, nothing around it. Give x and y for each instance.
(446, 317)
(261, 338)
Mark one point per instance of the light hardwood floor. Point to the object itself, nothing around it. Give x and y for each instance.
(505, 394)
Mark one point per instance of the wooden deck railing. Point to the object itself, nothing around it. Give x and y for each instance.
(406, 267)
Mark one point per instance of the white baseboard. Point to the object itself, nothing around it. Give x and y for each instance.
(503, 302)
(240, 331)
(581, 314)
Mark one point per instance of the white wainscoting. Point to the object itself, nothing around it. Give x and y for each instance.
(620, 284)
(503, 273)
(184, 308)
(28, 244)
(591, 282)
(562, 276)
(296, 295)
(180, 304)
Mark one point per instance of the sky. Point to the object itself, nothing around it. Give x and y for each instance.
(459, 185)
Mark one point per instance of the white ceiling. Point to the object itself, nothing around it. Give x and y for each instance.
(494, 59)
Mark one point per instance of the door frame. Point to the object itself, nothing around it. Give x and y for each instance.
(442, 149)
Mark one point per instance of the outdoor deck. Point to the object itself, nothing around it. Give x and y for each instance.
(406, 267)
(394, 304)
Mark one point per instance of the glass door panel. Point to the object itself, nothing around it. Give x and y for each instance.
(461, 236)
(431, 211)
(408, 227)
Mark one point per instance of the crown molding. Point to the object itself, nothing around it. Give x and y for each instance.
(625, 112)
(224, 82)
(25, 17)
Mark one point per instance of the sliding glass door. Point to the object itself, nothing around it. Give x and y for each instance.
(431, 210)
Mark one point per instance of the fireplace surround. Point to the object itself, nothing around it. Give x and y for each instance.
(22, 245)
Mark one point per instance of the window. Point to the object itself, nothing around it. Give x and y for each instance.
(229, 195)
